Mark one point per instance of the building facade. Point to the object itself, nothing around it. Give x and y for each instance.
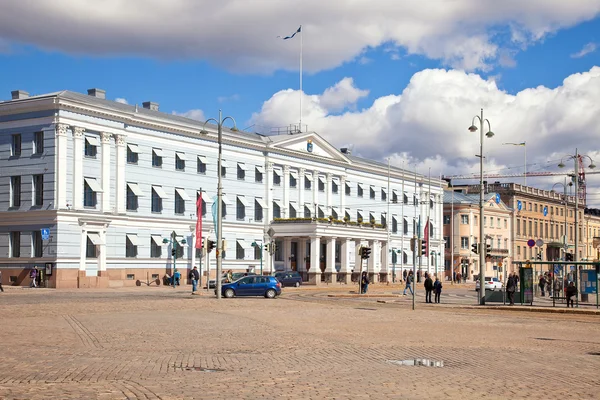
(98, 193)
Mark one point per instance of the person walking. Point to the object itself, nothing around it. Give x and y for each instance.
(194, 277)
(542, 285)
(404, 274)
(428, 288)
(229, 276)
(511, 287)
(408, 283)
(437, 289)
(364, 283)
(1, 288)
(33, 276)
(571, 292)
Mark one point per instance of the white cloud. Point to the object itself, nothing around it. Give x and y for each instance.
(224, 99)
(121, 100)
(341, 95)
(192, 114)
(587, 49)
(241, 36)
(427, 123)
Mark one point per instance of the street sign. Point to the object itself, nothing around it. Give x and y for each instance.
(497, 198)
(519, 205)
(539, 243)
(545, 210)
(271, 232)
(531, 243)
(495, 268)
(499, 263)
(45, 233)
(556, 269)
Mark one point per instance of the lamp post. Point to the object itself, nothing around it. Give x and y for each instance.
(564, 185)
(578, 159)
(525, 163)
(489, 134)
(219, 252)
(260, 247)
(174, 244)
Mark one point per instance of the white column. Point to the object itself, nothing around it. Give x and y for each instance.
(269, 191)
(286, 192)
(315, 259)
(78, 167)
(330, 256)
(315, 193)
(329, 195)
(385, 257)
(105, 137)
(287, 252)
(121, 190)
(300, 262)
(301, 177)
(82, 248)
(344, 256)
(342, 190)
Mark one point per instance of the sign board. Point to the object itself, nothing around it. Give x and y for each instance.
(45, 233)
(497, 198)
(531, 243)
(557, 269)
(271, 232)
(519, 205)
(526, 285)
(539, 243)
(545, 210)
(588, 282)
(495, 268)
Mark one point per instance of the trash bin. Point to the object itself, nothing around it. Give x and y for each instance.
(584, 297)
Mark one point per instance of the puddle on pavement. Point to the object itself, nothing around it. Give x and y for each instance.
(418, 362)
(202, 369)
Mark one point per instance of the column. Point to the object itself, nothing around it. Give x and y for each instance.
(345, 271)
(287, 253)
(385, 257)
(301, 175)
(105, 137)
(371, 268)
(300, 262)
(330, 271)
(286, 192)
(328, 197)
(342, 190)
(314, 274)
(82, 252)
(315, 193)
(269, 192)
(121, 190)
(77, 167)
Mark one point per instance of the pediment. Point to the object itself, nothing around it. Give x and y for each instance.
(309, 144)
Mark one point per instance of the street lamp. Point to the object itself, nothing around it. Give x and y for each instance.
(564, 185)
(219, 252)
(260, 247)
(525, 163)
(174, 244)
(578, 160)
(489, 134)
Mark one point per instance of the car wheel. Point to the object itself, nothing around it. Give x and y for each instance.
(270, 294)
(229, 293)
(297, 284)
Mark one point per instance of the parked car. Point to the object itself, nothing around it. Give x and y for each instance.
(254, 285)
(212, 283)
(290, 278)
(490, 284)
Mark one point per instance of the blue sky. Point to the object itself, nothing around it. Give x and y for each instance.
(406, 77)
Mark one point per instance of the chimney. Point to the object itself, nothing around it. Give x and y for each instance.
(150, 105)
(346, 150)
(19, 94)
(99, 93)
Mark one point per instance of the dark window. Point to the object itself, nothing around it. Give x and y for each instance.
(36, 241)
(321, 185)
(307, 183)
(130, 248)
(359, 191)
(132, 200)
(359, 217)
(293, 181)
(157, 159)
(201, 166)
(239, 252)
(90, 199)
(179, 203)
(90, 249)
(15, 244)
(383, 195)
(180, 161)
(240, 211)
(258, 211)
(320, 212)
(15, 191)
(415, 200)
(394, 197)
(446, 219)
(348, 190)
(276, 210)
(223, 209)
(241, 173)
(38, 190)
(307, 213)
(91, 150)
(334, 187)
(276, 179)
(394, 225)
(38, 142)
(347, 216)
(430, 203)
(292, 211)
(132, 156)
(155, 249)
(371, 193)
(15, 149)
(258, 176)
(257, 251)
(223, 169)
(156, 202)
(405, 223)
(405, 198)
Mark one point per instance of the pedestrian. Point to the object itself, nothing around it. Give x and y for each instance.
(458, 277)
(408, 280)
(176, 278)
(364, 283)
(571, 291)
(437, 289)
(33, 276)
(194, 277)
(229, 277)
(511, 287)
(549, 285)
(428, 288)
(1, 288)
(404, 274)
(542, 285)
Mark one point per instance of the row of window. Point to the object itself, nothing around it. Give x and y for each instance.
(464, 242)
(37, 192)
(14, 244)
(37, 144)
(464, 220)
(552, 230)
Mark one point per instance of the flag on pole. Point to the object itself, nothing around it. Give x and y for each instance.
(214, 215)
(292, 35)
(199, 221)
(426, 238)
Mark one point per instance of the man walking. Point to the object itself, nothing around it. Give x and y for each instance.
(571, 292)
(428, 288)
(408, 279)
(194, 277)
(33, 276)
(511, 287)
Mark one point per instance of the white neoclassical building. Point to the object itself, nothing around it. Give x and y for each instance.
(95, 193)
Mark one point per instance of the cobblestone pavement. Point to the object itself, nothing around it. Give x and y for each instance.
(162, 343)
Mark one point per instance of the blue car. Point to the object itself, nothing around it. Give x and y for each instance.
(267, 286)
(291, 278)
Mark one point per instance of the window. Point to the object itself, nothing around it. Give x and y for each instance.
(240, 253)
(484, 221)
(240, 211)
(405, 198)
(446, 219)
(475, 221)
(535, 229)
(383, 220)
(359, 217)
(223, 168)
(276, 178)
(519, 251)
(157, 158)
(241, 171)
(15, 191)
(38, 190)
(359, 190)
(446, 242)
(90, 188)
(307, 213)
(505, 223)
(257, 250)
(499, 243)
(38, 143)
(276, 210)
(131, 246)
(158, 194)
(307, 183)
(201, 165)
(156, 246)
(464, 242)
(491, 222)
(394, 225)
(506, 243)
(15, 244)
(259, 206)
(348, 190)
(405, 226)
(530, 227)
(535, 207)
(15, 149)
(430, 203)
(347, 216)
(518, 227)
(258, 174)
(334, 187)
(498, 222)
(133, 191)
(293, 181)
(179, 161)
(180, 201)
(334, 214)
(91, 146)
(93, 240)
(293, 212)
(321, 185)
(371, 193)
(37, 246)
(394, 197)
(383, 195)
(320, 213)
(132, 153)
(464, 219)
(415, 200)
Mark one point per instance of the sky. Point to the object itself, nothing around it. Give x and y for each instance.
(393, 79)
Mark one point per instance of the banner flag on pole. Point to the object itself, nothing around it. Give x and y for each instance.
(214, 214)
(199, 221)
(292, 35)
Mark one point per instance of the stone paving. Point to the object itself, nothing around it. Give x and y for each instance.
(163, 343)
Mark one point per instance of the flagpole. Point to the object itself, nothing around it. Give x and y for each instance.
(301, 39)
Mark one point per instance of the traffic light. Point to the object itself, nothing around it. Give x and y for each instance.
(568, 257)
(211, 245)
(488, 248)
(173, 252)
(268, 247)
(475, 248)
(274, 247)
(365, 253)
(423, 247)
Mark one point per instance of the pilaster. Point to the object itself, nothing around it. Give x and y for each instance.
(77, 167)
(287, 253)
(314, 274)
(286, 192)
(61, 165)
(329, 194)
(330, 270)
(269, 191)
(315, 193)
(121, 160)
(342, 191)
(345, 271)
(105, 142)
(301, 178)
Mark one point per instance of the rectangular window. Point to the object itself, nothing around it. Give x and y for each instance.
(15, 191)
(530, 227)
(348, 190)
(180, 161)
(258, 174)
(307, 183)
(415, 200)
(535, 229)
(519, 251)
(15, 244)
(371, 193)
(383, 195)
(180, 198)
(37, 249)
(446, 242)
(307, 213)
(157, 158)
(405, 198)
(535, 207)
(293, 212)
(38, 190)
(405, 226)
(293, 181)
(203, 210)
(157, 195)
(90, 188)
(91, 146)
(321, 185)
(276, 210)
(491, 222)
(223, 168)
(484, 221)
(38, 143)
(464, 219)
(334, 187)
(464, 243)
(240, 208)
(241, 171)
(359, 190)
(15, 148)
(276, 178)
(475, 220)
(132, 153)
(133, 191)
(259, 205)
(359, 217)
(201, 165)
(394, 225)
(446, 219)
(240, 253)
(156, 246)
(131, 244)
(91, 251)
(518, 227)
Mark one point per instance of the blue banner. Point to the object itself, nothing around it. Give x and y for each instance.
(214, 211)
